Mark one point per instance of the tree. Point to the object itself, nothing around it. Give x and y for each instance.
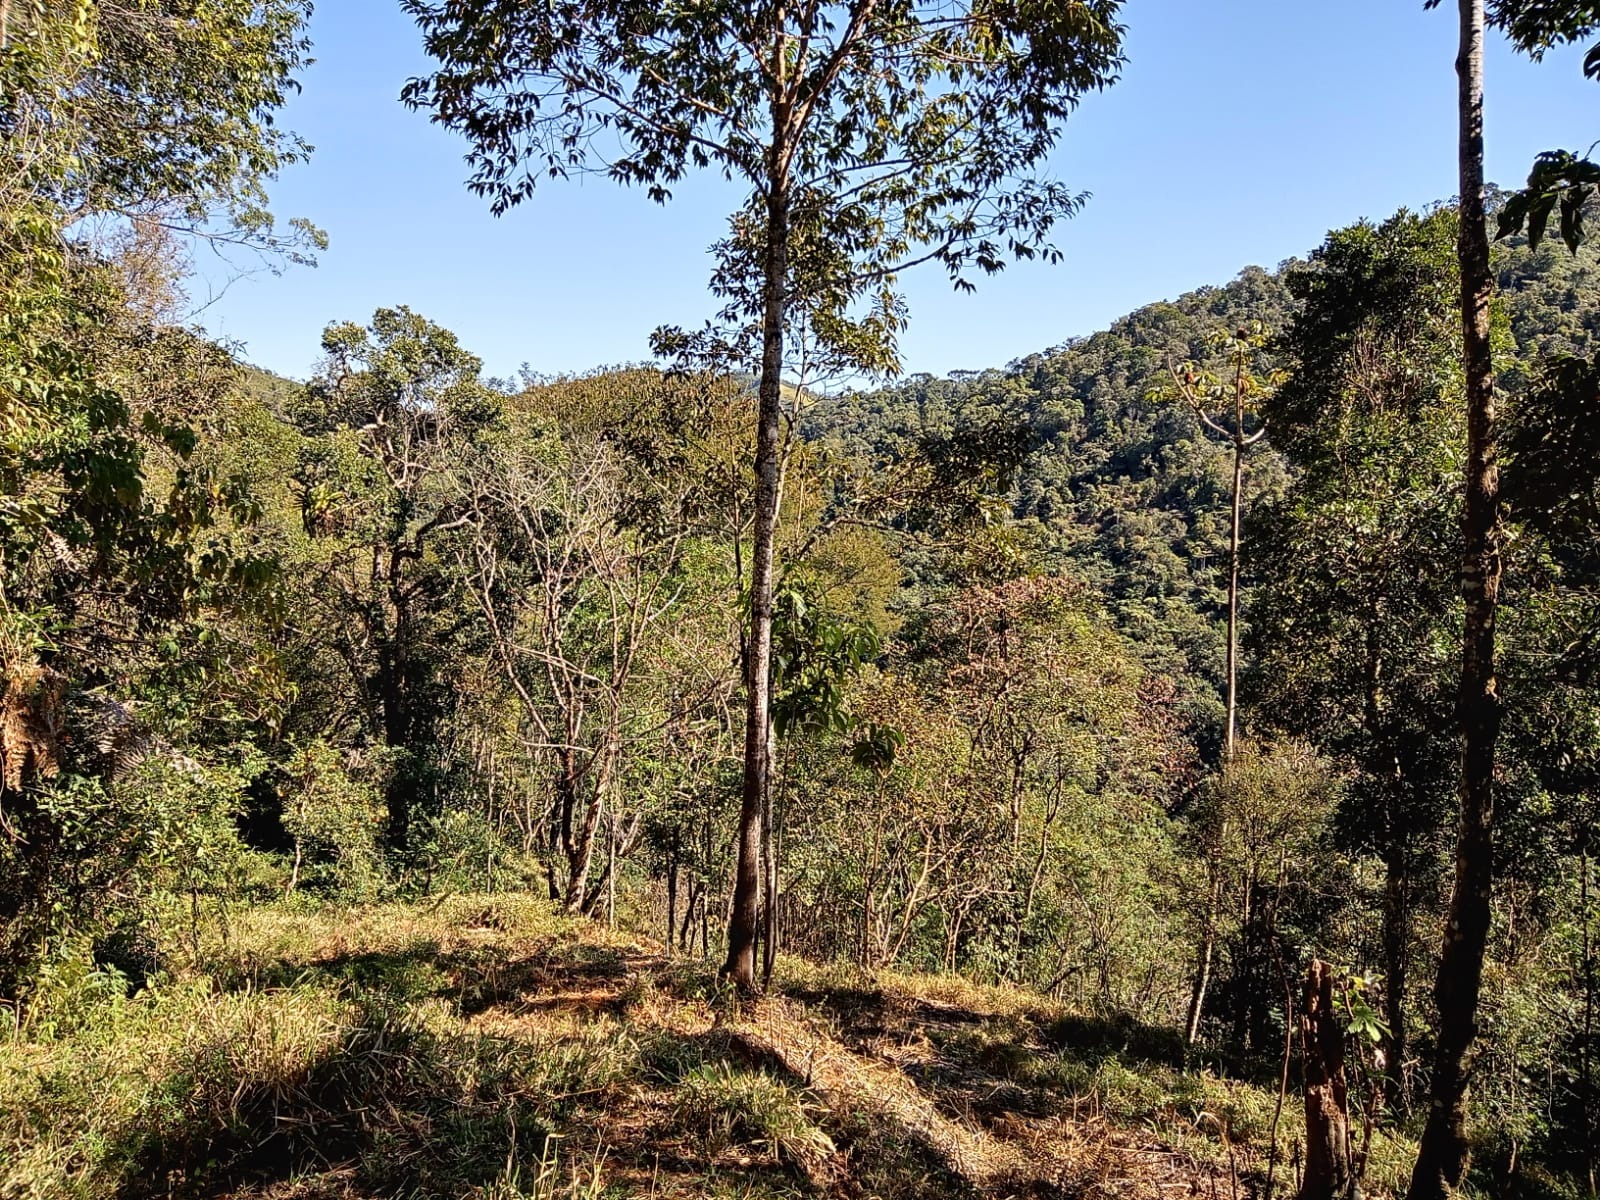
(1442, 1153)
(116, 543)
(871, 135)
(397, 401)
(576, 599)
(1328, 1174)
(157, 110)
(1354, 611)
(1225, 405)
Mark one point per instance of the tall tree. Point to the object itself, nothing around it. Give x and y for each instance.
(576, 596)
(1353, 618)
(1443, 1152)
(1227, 405)
(872, 134)
(397, 400)
(139, 113)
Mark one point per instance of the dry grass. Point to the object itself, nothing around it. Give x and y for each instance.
(483, 1047)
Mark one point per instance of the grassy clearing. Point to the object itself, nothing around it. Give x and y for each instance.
(485, 1048)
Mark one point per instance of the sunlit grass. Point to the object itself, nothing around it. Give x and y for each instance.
(485, 1047)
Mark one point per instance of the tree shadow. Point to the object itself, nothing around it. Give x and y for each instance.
(474, 980)
(1093, 1040)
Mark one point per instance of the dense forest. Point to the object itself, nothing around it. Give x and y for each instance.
(1063, 779)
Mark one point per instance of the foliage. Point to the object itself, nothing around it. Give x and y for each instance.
(272, 649)
(154, 109)
(890, 123)
(333, 812)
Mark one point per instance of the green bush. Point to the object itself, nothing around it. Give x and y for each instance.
(94, 856)
(729, 1107)
(333, 810)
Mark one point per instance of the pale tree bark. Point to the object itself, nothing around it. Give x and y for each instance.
(559, 522)
(1443, 1153)
(1241, 445)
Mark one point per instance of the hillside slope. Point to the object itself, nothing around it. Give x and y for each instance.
(479, 1046)
(1123, 489)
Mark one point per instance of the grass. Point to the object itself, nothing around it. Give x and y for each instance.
(733, 1107)
(486, 1048)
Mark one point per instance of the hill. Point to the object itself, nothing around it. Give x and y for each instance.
(481, 1046)
(1123, 489)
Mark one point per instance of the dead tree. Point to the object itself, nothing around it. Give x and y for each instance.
(1327, 1098)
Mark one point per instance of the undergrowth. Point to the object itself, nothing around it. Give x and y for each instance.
(486, 1048)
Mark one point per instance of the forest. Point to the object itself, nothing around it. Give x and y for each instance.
(1163, 765)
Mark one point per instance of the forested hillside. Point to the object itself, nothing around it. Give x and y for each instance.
(696, 779)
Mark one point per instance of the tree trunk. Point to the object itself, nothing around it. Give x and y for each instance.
(1396, 956)
(1234, 530)
(1208, 951)
(769, 834)
(1327, 1099)
(580, 848)
(1208, 941)
(1396, 868)
(1442, 1154)
(400, 790)
(745, 917)
(686, 930)
(672, 901)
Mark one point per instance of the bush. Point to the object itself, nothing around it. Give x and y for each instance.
(333, 810)
(461, 850)
(730, 1107)
(87, 857)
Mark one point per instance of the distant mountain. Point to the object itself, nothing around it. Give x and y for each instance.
(1127, 492)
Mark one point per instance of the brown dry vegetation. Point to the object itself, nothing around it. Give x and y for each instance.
(482, 1047)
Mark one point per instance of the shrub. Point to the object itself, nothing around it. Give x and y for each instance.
(333, 810)
(730, 1107)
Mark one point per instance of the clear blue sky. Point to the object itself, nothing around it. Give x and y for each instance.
(1242, 130)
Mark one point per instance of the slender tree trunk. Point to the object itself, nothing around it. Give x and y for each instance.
(1396, 944)
(1283, 1071)
(686, 930)
(1208, 941)
(611, 883)
(1244, 970)
(1233, 586)
(745, 917)
(400, 791)
(769, 831)
(1208, 951)
(672, 901)
(1585, 1065)
(705, 921)
(1327, 1099)
(1396, 869)
(580, 852)
(398, 677)
(1442, 1154)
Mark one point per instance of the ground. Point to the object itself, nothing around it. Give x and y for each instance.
(483, 1047)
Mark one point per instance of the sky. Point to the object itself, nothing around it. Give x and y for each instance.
(1240, 132)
